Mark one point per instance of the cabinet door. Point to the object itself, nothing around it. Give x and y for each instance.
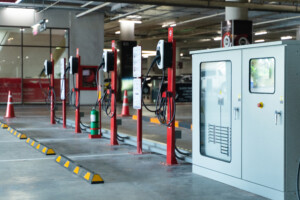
(216, 111)
(262, 118)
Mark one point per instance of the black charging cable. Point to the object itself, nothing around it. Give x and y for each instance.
(144, 82)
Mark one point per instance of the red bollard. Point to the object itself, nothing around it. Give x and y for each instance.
(171, 158)
(77, 92)
(52, 113)
(113, 120)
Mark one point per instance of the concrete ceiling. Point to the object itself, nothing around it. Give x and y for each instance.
(277, 17)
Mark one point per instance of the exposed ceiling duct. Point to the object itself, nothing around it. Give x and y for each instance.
(216, 4)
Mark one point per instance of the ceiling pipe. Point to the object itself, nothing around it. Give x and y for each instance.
(86, 4)
(92, 9)
(38, 6)
(276, 20)
(215, 4)
(131, 13)
(200, 18)
(48, 7)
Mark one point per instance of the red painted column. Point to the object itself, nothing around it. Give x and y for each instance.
(171, 158)
(64, 101)
(52, 120)
(77, 92)
(113, 120)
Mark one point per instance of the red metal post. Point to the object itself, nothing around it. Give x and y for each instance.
(171, 158)
(113, 120)
(139, 132)
(64, 101)
(100, 128)
(77, 92)
(52, 120)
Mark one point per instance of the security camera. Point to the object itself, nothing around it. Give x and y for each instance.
(108, 60)
(165, 51)
(73, 64)
(48, 67)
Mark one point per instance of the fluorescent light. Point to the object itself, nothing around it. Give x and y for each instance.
(168, 24)
(261, 33)
(132, 21)
(181, 54)
(257, 41)
(286, 37)
(118, 32)
(134, 17)
(205, 40)
(217, 38)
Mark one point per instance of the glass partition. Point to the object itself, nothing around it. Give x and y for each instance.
(10, 73)
(41, 39)
(215, 110)
(22, 57)
(10, 36)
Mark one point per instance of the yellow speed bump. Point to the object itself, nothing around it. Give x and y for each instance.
(4, 126)
(40, 147)
(16, 133)
(84, 173)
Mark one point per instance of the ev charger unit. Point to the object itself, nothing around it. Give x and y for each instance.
(73, 63)
(108, 60)
(165, 51)
(48, 67)
(246, 117)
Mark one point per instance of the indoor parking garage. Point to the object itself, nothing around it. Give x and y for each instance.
(129, 99)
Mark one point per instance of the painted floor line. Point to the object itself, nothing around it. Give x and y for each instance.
(12, 141)
(61, 139)
(27, 159)
(98, 155)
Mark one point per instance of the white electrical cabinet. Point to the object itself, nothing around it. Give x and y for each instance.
(246, 117)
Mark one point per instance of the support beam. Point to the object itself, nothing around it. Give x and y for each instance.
(132, 13)
(92, 9)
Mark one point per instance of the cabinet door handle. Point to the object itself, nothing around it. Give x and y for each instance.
(277, 114)
(236, 110)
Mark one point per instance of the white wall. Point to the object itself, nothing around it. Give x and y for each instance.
(86, 33)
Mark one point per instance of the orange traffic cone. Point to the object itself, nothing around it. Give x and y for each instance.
(10, 112)
(125, 107)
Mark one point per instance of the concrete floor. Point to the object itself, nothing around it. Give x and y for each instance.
(27, 174)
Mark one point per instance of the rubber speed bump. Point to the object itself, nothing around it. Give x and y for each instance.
(4, 126)
(40, 147)
(86, 174)
(16, 133)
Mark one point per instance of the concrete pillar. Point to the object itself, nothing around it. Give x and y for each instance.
(127, 31)
(298, 34)
(234, 13)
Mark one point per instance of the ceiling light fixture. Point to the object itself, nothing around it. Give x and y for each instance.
(261, 33)
(288, 37)
(217, 38)
(118, 32)
(258, 41)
